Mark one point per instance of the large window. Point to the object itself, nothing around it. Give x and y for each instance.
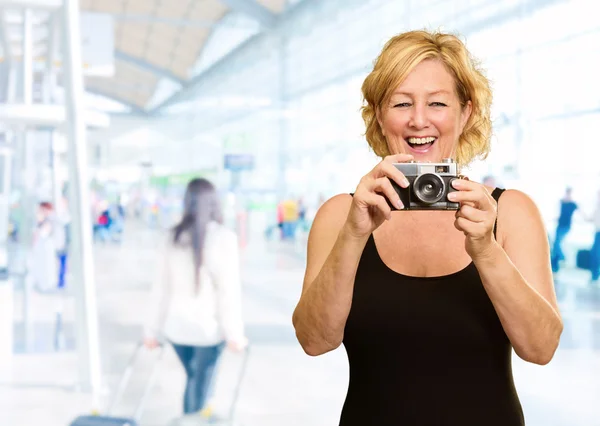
(540, 56)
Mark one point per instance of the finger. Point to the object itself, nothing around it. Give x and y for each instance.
(389, 170)
(472, 229)
(378, 202)
(464, 225)
(465, 184)
(472, 214)
(478, 197)
(384, 186)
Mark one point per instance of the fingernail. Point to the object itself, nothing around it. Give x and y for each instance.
(456, 183)
(405, 182)
(399, 204)
(452, 196)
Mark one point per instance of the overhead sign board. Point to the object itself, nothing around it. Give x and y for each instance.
(239, 162)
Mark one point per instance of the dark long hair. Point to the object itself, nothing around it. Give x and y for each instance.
(200, 206)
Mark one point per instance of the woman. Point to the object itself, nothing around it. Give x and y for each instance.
(197, 292)
(428, 304)
(46, 242)
(595, 251)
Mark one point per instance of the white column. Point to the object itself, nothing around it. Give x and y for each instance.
(27, 56)
(81, 249)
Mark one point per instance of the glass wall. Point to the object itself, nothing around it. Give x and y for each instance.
(298, 92)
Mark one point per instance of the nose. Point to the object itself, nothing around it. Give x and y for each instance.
(418, 118)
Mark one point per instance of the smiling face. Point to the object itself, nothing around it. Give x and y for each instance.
(424, 116)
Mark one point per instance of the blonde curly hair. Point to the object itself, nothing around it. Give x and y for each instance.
(398, 58)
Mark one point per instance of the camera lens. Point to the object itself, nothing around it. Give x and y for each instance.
(429, 188)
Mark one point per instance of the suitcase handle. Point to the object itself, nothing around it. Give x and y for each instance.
(126, 377)
(238, 387)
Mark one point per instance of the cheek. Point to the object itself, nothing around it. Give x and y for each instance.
(448, 124)
(394, 124)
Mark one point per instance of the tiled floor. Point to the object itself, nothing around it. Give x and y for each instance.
(282, 386)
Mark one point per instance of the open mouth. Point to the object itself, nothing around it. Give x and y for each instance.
(421, 144)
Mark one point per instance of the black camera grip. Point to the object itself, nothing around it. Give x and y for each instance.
(402, 193)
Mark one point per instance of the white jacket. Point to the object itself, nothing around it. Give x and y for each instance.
(212, 315)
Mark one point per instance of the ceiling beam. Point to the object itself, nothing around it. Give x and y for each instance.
(134, 108)
(197, 80)
(146, 66)
(151, 19)
(217, 67)
(254, 10)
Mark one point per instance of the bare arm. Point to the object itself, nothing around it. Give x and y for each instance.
(517, 277)
(337, 239)
(332, 261)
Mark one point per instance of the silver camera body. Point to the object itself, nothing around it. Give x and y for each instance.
(429, 185)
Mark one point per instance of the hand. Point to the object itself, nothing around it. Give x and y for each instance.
(369, 206)
(475, 217)
(237, 345)
(151, 343)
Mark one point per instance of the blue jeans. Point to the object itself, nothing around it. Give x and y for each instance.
(62, 269)
(199, 363)
(557, 253)
(595, 257)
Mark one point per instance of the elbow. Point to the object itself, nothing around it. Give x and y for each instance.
(539, 357)
(312, 347)
(311, 344)
(543, 352)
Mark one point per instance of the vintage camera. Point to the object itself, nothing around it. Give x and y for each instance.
(430, 184)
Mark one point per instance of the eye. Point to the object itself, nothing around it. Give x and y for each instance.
(438, 104)
(402, 105)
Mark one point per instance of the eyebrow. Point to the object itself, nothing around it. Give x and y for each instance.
(435, 92)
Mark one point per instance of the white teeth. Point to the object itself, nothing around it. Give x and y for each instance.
(420, 141)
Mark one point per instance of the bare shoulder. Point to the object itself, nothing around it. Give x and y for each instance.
(517, 202)
(324, 232)
(517, 214)
(333, 211)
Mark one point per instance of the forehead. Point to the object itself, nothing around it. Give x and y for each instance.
(429, 76)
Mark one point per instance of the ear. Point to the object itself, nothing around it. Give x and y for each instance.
(465, 114)
(378, 115)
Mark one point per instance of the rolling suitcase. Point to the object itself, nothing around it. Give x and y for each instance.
(107, 419)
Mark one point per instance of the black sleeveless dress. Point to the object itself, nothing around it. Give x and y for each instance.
(426, 351)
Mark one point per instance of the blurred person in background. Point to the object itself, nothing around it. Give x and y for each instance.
(102, 221)
(302, 225)
(48, 239)
(428, 304)
(196, 297)
(290, 218)
(63, 221)
(280, 220)
(116, 215)
(595, 251)
(567, 208)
